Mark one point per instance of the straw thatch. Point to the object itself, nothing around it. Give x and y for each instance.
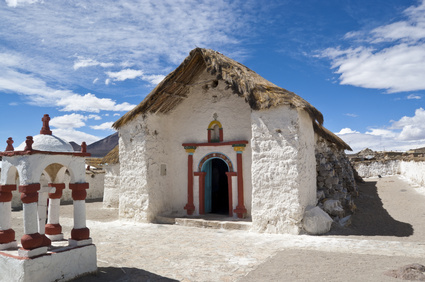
(113, 157)
(257, 91)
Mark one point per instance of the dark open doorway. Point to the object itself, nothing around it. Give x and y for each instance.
(216, 187)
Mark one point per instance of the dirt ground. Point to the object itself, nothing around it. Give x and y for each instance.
(386, 232)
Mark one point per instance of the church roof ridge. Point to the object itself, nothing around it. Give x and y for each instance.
(258, 92)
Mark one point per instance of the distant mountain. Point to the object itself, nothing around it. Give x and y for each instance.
(100, 148)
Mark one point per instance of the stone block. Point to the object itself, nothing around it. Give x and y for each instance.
(316, 221)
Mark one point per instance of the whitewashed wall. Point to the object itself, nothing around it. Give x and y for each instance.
(283, 169)
(146, 193)
(373, 169)
(413, 171)
(111, 196)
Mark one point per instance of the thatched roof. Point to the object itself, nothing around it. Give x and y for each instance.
(257, 91)
(113, 157)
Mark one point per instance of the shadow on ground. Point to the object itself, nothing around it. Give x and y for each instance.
(371, 218)
(109, 274)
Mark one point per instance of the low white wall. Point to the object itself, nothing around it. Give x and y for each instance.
(413, 171)
(373, 169)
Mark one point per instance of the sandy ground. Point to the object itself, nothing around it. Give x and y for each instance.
(387, 232)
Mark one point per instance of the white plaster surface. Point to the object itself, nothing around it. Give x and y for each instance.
(149, 141)
(372, 169)
(32, 253)
(30, 218)
(410, 170)
(5, 215)
(111, 191)
(283, 169)
(79, 214)
(62, 266)
(49, 143)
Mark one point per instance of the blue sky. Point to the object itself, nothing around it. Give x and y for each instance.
(86, 63)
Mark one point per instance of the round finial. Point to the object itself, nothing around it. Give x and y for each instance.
(9, 144)
(29, 143)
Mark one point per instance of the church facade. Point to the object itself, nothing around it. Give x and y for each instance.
(215, 137)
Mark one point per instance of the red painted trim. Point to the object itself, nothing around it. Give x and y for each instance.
(29, 193)
(221, 134)
(216, 144)
(7, 236)
(34, 152)
(79, 195)
(80, 234)
(6, 192)
(46, 241)
(240, 209)
(201, 191)
(190, 207)
(31, 241)
(7, 188)
(53, 229)
(230, 190)
(59, 190)
(79, 186)
(209, 136)
(79, 192)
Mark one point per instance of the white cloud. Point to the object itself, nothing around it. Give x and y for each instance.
(396, 66)
(14, 3)
(414, 97)
(125, 74)
(84, 63)
(401, 135)
(103, 126)
(70, 134)
(91, 103)
(117, 115)
(132, 74)
(68, 121)
(351, 115)
(347, 131)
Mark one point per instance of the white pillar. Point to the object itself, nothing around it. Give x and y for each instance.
(30, 218)
(53, 227)
(5, 215)
(7, 234)
(80, 214)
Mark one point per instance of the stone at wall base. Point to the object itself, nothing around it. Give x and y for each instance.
(75, 243)
(316, 221)
(10, 245)
(32, 253)
(60, 266)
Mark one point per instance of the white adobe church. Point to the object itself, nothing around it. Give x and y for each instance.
(215, 137)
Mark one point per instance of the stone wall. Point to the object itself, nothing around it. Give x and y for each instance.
(336, 184)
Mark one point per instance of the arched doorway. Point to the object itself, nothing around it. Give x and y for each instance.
(216, 186)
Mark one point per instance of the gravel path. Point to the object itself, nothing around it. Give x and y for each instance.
(387, 232)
